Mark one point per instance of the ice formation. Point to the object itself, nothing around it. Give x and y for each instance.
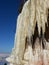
(34, 11)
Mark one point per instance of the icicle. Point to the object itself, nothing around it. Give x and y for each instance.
(22, 32)
(38, 16)
(33, 16)
(46, 10)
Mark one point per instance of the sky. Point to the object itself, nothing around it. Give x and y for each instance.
(8, 20)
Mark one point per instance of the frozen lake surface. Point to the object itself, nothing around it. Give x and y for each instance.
(3, 57)
(2, 63)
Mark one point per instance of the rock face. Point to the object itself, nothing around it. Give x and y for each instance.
(34, 11)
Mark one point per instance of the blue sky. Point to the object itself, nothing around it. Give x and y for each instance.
(8, 17)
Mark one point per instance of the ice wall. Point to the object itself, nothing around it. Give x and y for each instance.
(34, 11)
